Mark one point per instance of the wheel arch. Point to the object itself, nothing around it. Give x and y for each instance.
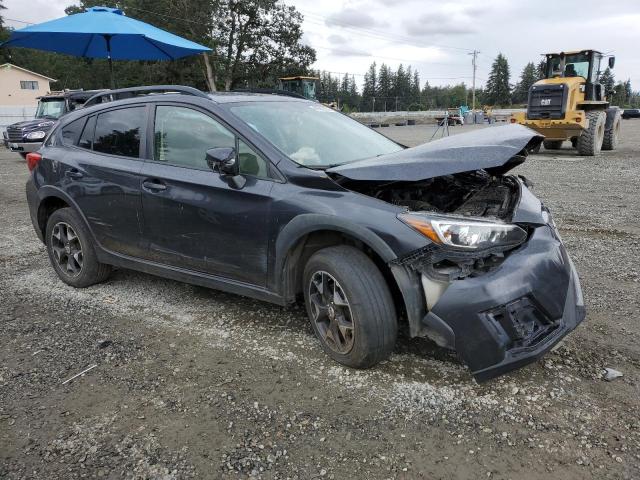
(306, 234)
(52, 199)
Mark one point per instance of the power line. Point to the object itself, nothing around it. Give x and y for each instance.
(19, 21)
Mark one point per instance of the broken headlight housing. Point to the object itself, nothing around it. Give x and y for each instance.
(469, 234)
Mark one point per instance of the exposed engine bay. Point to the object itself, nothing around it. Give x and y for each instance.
(473, 194)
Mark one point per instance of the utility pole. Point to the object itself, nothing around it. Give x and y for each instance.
(474, 54)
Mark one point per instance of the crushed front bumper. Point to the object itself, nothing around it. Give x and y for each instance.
(512, 315)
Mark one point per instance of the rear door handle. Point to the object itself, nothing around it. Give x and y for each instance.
(154, 185)
(74, 173)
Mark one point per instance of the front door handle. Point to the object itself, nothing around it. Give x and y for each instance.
(154, 185)
(74, 173)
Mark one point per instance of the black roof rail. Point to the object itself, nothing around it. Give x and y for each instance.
(270, 91)
(122, 93)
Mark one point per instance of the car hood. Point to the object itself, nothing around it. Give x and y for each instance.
(29, 124)
(495, 149)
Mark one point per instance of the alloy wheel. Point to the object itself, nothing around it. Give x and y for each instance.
(331, 312)
(67, 249)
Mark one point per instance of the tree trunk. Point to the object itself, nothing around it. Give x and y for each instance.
(211, 78)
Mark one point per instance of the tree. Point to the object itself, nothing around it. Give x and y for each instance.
(2, 7)
(415, 100)
(385, 86)
(256, 41)
(528, 77)
(498, 89)
(541, 69)
(608, 82)
(370, 88)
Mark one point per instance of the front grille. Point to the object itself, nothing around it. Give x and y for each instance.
(14, 134)
(547, 102)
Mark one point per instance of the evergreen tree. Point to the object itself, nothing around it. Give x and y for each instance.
(498, 88)
(541, 69)
(416, 101)
(369, 89)
(528, 77)
(2, 7)
(608, 82)
(385, 86)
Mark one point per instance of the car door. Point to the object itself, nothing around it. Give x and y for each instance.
(102, 174)
(193, 217)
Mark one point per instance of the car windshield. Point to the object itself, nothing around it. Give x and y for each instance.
(50, 108)
(313, 135)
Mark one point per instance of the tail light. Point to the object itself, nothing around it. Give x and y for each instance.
(513, 120)
(33, 158)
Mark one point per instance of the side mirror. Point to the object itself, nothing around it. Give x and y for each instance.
(612, 62)
(225, 161)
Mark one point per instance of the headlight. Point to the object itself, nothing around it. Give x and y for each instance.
(462, 233)
(45, 124)
(37, 135)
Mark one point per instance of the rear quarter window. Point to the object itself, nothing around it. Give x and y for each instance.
(70, 133)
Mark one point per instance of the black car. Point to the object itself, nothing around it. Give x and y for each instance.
(280, 199)
(631, 113)
(27, 136)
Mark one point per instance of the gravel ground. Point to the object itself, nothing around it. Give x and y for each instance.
(194, 383)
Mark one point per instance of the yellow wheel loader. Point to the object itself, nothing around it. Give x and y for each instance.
(570, 104)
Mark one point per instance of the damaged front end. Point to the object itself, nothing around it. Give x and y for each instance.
(494, 282)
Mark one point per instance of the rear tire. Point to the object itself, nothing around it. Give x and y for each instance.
(612, 134)
(552, 144)
(350, 306)
(590, 141)
(71, 250)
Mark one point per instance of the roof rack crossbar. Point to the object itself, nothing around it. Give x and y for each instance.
(122, 93)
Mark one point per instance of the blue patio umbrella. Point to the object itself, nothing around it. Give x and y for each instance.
(103, 32)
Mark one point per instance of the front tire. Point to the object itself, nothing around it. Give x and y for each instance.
(71, 250)
(350, 306)
(590, 141)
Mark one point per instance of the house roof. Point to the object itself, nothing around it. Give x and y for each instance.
(11, 65)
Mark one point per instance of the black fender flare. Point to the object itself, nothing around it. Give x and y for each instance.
(308, 223)
(48, 191)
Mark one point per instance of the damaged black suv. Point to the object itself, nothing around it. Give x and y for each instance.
(279, 198)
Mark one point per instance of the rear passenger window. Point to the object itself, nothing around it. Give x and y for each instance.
(182, 137)
(71, 132)
(118, 132)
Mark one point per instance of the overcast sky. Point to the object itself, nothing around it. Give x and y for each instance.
(435, 36)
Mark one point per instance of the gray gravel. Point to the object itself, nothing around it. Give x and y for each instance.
(193, 383)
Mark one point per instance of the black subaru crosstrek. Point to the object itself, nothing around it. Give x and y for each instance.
(279, 198)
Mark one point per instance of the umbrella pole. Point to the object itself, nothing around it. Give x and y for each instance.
(113, 81)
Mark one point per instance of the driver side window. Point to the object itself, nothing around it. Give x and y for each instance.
(182, 137)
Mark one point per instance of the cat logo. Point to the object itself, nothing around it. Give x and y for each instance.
(545, 102)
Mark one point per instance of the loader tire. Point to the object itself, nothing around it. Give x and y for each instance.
(612, 131)
(552, 144)
(590, 141)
